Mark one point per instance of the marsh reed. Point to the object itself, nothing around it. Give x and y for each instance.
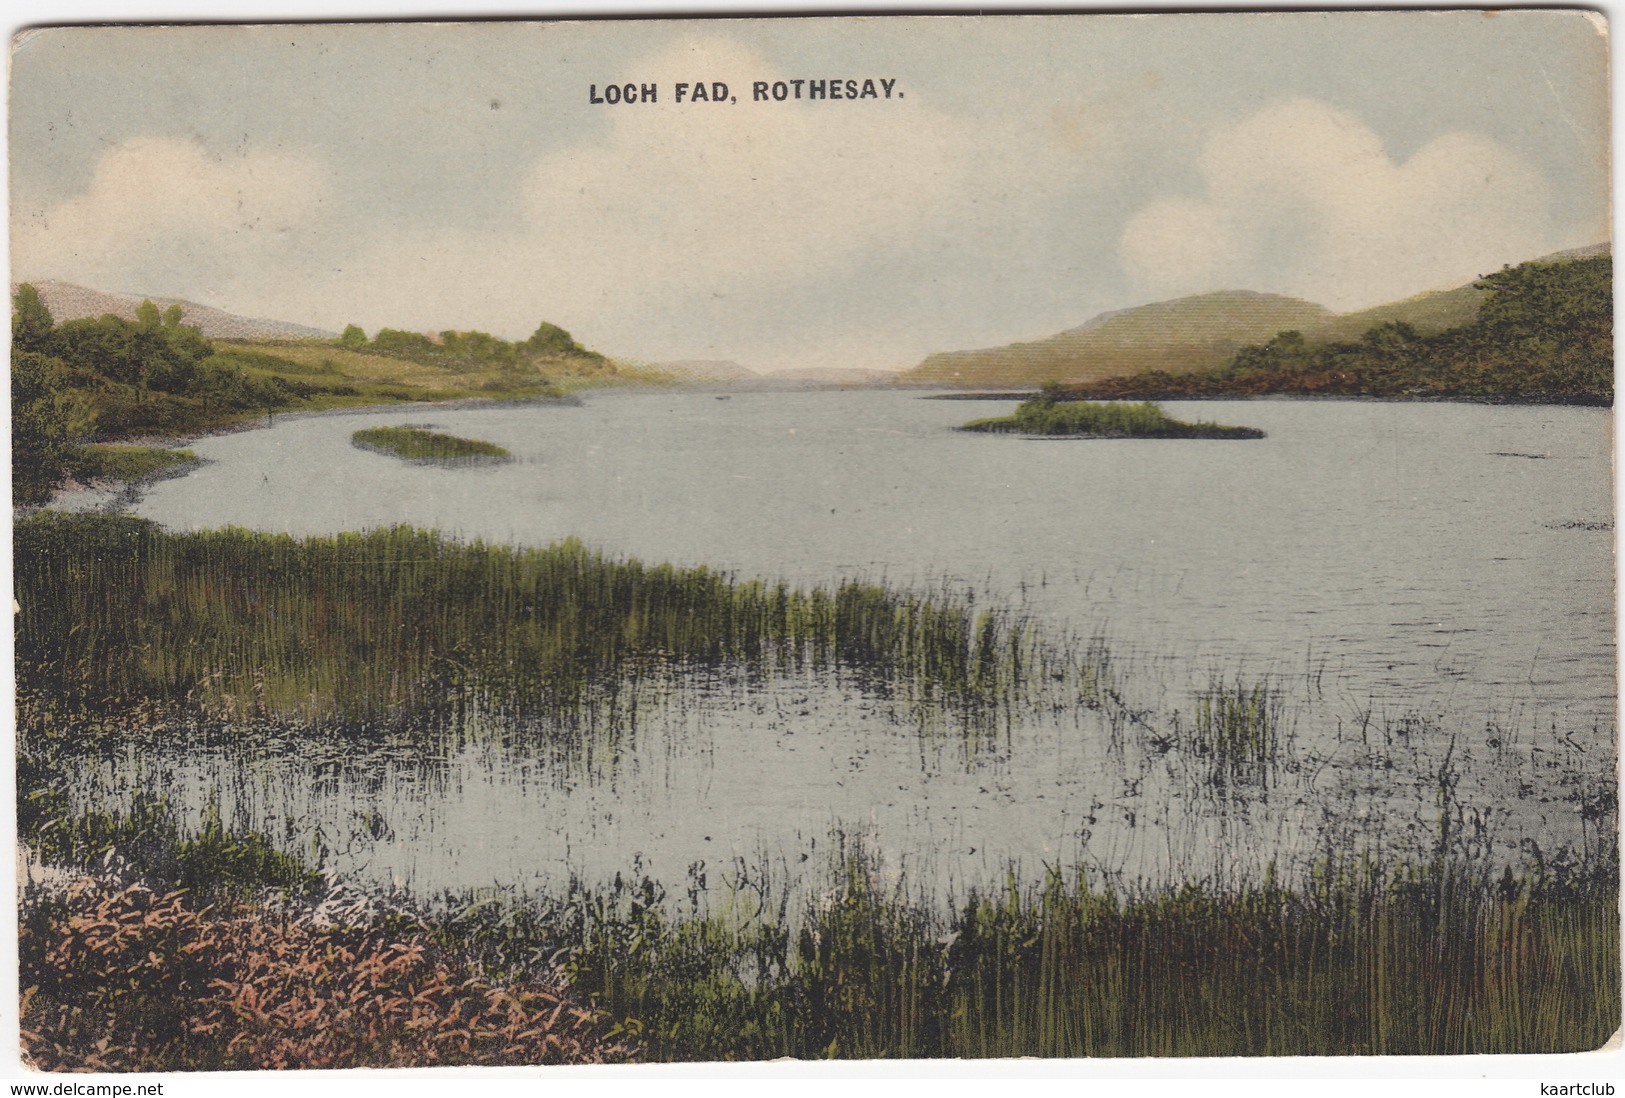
(1361, 957)
(397, 626)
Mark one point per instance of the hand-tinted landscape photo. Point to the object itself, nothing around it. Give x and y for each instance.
(607, 542)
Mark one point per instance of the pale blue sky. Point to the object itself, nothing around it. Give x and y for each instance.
(1038, 170)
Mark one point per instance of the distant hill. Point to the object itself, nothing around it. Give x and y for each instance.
(728, 372)
(1586, 252)
(1187, 333)
(1192, 334)
(1433, 311)
(70, 302)
(1429, 313)
(833, 377)
(706, 369)
(1540, 332)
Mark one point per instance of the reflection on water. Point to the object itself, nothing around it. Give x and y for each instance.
(1423, 606)
(770, 775)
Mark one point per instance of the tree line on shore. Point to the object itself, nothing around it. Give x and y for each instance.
(109, 378)
(113, 378)
(1543, 333)
(453, 349)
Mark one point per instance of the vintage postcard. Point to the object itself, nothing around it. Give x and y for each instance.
(691, 540)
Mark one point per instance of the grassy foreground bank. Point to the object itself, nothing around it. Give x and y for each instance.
(1360, 959)
(128, 979)
(162, 952)
(1048, 417)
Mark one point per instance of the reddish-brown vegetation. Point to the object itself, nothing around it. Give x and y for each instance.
(122, 978)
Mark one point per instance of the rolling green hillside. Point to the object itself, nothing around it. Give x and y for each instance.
(1193, 334)
(1541, 332)
(1188, 333)
(1429, 313)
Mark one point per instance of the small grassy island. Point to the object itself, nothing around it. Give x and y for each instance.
(130, 463)
(1047, 416)
(418, 444)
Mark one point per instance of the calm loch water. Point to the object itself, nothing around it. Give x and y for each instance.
(1417, 586)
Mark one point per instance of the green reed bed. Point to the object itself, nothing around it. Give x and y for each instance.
(1239, 728)
(1086, 419)
(419, 444)
(1358, 960)
(398, 625)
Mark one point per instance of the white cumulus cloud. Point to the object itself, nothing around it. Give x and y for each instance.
(164, 212)
(1303, 198)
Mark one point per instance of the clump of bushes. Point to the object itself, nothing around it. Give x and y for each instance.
(1543, 332)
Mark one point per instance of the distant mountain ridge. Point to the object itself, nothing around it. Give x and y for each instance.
(706, 369)
(726, 371)
(1196, 333)
(837, 376)
(68, 301)
(1543, 334)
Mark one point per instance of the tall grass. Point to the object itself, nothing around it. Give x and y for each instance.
(1357, 956)
(122, 624)
(1358, 959)
(1239, 727)
(146, 839)
(402, 625)
(1045, 416)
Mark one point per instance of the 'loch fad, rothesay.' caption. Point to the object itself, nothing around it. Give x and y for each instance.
(761, 91)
